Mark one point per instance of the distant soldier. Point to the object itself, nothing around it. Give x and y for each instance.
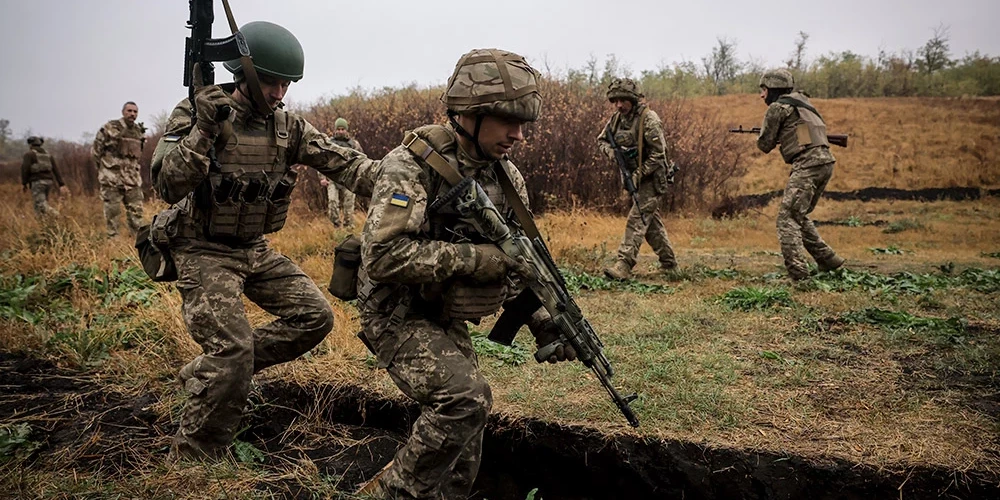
(340, 200)
(116, 152)
(38, 171)
(794, 124)
(637, 130)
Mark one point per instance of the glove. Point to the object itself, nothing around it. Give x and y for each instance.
(492, 264)
(213, 108)
(635, 179)
(549, 333)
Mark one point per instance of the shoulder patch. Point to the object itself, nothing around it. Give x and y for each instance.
(399, 200)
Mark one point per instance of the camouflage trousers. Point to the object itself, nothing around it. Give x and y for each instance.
(211, 278)
(114, 197)
(795, 230)
(40, 197)
(436, 366)
(653, 230)
(340, 205)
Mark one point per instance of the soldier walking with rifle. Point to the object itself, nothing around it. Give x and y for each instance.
(633, 139)
(792, 123)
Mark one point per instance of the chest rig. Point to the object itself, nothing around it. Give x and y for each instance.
(130, 142)
(42, 165)
(248, 190)
(804, 129)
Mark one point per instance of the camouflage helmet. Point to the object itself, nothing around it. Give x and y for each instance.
(779, 78)
(35, 141)
(340, 123)
(275, 52)
(624, 88)
(493, 82)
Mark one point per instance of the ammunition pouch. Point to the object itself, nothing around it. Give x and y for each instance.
(247, 206)
(153, 244)
(346, 263)
(129, 147)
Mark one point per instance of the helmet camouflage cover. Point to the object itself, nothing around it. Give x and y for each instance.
(624, 88)
(35, 140)
(778, 78)
(275, 52)
(494, 82)
(341, 123)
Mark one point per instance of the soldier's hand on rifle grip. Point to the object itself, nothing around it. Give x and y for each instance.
(492, 265)
(212, 105)
(549, 347)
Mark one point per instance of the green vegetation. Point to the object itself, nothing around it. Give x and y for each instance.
(582, 280)
(949, 330)
(749, 298)
(842, 280)
(903, 225)
(16, 442)
(889, 250)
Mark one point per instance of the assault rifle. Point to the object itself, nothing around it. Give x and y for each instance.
(546, 286)
(835, 139)
(622, 157)
(201, 50)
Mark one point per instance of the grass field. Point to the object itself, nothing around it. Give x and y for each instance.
(890, 363)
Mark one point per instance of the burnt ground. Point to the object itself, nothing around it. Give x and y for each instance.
(740, 204)
(350, 435)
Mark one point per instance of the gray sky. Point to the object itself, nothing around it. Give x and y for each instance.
(68, 65)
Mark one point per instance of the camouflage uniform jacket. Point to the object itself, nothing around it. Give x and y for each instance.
(625, 129)
(29, 174)
(402, 242)
(116, 151)
(348, 142)
(185, 163)
(780, 121)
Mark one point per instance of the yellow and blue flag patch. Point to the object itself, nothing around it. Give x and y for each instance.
(399, 200)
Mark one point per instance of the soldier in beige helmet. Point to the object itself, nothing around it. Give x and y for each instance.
(38, 172)
(792, 123)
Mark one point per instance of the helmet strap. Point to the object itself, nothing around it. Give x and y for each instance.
(246, 63)
(474, 136)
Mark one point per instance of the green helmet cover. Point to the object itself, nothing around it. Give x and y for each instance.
(340, 123)
(275, 52)
(779, 78)
(624, 88)
(494, 82)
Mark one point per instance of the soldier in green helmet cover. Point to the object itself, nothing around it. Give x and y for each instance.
(426, 271)
(637, 130)
(794, 125)
(38, 172)
(340, 200)
(222, 209)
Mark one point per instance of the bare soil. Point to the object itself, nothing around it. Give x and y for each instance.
(96, 428)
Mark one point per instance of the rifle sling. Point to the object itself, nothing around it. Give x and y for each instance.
(246, 63)
(791, 101)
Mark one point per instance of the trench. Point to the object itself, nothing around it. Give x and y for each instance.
(349, 434)
(740, 204)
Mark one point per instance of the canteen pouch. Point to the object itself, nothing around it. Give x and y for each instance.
(346, 263)
(153, 244)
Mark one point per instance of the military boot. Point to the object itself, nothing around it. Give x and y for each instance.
(830, 264)
(619, 271)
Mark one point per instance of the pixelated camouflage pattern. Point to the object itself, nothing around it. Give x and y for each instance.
(652, 175)
(779, 125)
(430, 361)
(114, 197)
(185, 162)
(479, 86)
(795, 229)
(116, 151)
(340, 200)
(211, 279)
(40, 197)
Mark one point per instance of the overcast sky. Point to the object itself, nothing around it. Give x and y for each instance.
(68, 65)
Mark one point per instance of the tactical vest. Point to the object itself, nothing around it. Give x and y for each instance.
(805, 130)
(42, 165)
(130, 143)
(634, 137)
(249, 195)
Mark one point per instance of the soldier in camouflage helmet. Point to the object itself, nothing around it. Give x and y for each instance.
(794, 125)
(116, 151)
(224, 207)
(340, 200)
(637, 130)
(426, 272)
(38, 172)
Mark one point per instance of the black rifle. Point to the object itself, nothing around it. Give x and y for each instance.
(622, 159)
(201, 50)
(835, 139)
(546, 288)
